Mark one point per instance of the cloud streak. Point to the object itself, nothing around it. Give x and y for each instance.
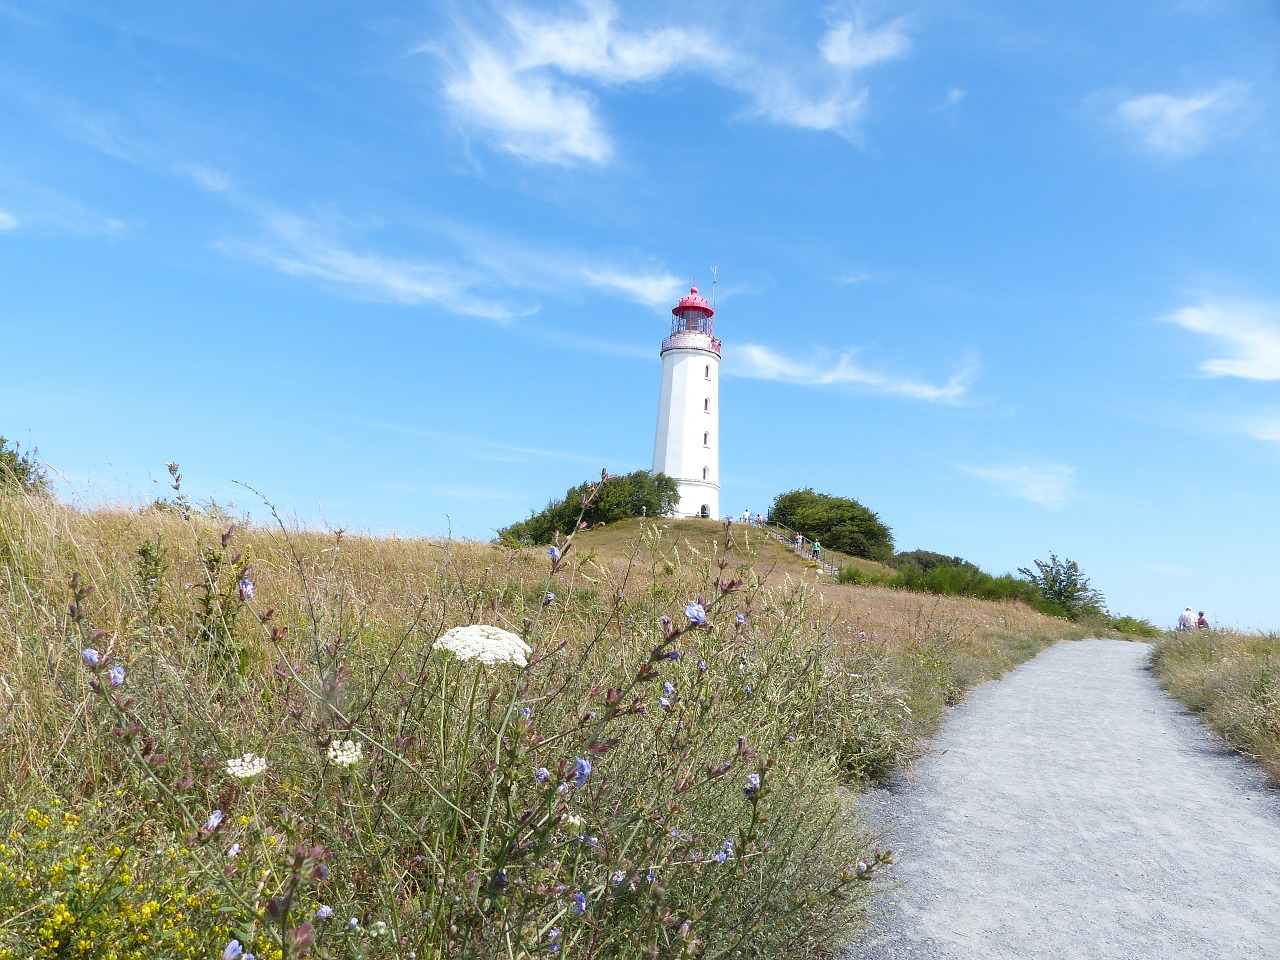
(1248, 334)
(758, 362)
(527, 83)
(1050, 485)
(1183, 125)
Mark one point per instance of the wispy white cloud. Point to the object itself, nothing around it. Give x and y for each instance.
(1051, 485)
(657, 290)
(8, 221)
(1181, 125)
(759, 362)
(526, 82)
(1262, 428)
(210, 178)
(305, 248)
(1249, 334)
(852, 45)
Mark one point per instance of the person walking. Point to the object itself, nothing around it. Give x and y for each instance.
(1186, 620)
(817, 551)
(1202, 622)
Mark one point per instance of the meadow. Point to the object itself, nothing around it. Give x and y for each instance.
(234, 740)
(1231, 681)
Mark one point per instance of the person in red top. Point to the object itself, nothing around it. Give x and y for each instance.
(1202, 623)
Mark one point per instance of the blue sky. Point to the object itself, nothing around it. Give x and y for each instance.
(1005, 272)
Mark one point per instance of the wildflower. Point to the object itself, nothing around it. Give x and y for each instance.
(553, 938)
(664, 703)
(380, 927)
(526, 712)
(573, 820)
(232, 950)
(618, 877)
(747, 689)
(696, 614)
(233, 851)
(353, 923)
(702, 666)
(581, 770)
(90, 656)
(487, 644)
(548, 599)
(666, 625)
(668, 689)
(752, 787)
(246, 767)
(720, 857)
(651, 876)
(673, 654)
(345, 753)
(213, 821)
(579, 904)
(324, 912)
(115, 677)
(247, 589)
(554, 553)
(541, 775)
(587, 840)
(742, 618)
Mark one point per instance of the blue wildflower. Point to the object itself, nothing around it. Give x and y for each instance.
(90, 656)
(115, 677)
(668, 689)
(696, 614)
(618, 877)
(213, 821)
(587, 839)
(548, 599)
(526, 712)
(720, 857)
(581, 770)
(673, 654)
(752, 787)
(747, 688)
(247, 589)
(232, 950)
(702, 666)
(651, 876)
(554, 554)
(541, 775)
(324, 912)
(664, 703)
(742, 618)
(553, 938)
(580, 904)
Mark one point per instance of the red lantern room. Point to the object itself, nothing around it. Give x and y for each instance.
(689, 318)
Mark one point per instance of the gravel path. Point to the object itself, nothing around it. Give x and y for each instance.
(1074, 811)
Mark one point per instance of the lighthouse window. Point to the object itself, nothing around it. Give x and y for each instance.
(707, 371)
(704, 472)
(706, 405)
(706, 439)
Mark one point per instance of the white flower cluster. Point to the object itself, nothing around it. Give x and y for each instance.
(345, 753)
(246, 767)
(487, 644)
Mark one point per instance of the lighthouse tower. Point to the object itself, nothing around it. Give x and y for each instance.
(687, 445)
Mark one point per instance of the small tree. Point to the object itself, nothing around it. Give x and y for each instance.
(838, 523)
(633, 495)
(1064, 587)
(21, 472)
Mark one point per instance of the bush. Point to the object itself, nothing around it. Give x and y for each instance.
(634, 495)
(21, 472)
(838, 523)
(1063, 587)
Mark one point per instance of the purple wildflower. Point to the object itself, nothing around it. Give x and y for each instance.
(90, 656)
(581, 770)
(548, 599)
(213, 821)
(324, 912)
(696, 614)
(579, 904)
(554, 554)
(618, 877)
(753, 785)
(553, 937)
(702, 666)
(247, 589)
(541, 775)
(232, 950)
(115, 677)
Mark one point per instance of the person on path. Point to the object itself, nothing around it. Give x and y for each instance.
(746, 516)
(1186, 620)
(1202, 623)
(759, 520)
(817, 551)
(799, 543)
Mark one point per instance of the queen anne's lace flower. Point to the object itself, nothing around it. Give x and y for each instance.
(345, 753)
(246, 767)
(487, 644)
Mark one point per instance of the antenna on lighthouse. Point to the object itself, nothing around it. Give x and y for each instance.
(713, 288)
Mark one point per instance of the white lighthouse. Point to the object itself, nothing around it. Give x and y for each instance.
(687, 445)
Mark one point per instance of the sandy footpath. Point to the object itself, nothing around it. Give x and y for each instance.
(1073, 810)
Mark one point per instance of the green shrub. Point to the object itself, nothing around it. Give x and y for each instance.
(838, 523)
(21, 472)
(633, 495)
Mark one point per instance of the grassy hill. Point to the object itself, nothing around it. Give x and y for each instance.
(629, 776)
